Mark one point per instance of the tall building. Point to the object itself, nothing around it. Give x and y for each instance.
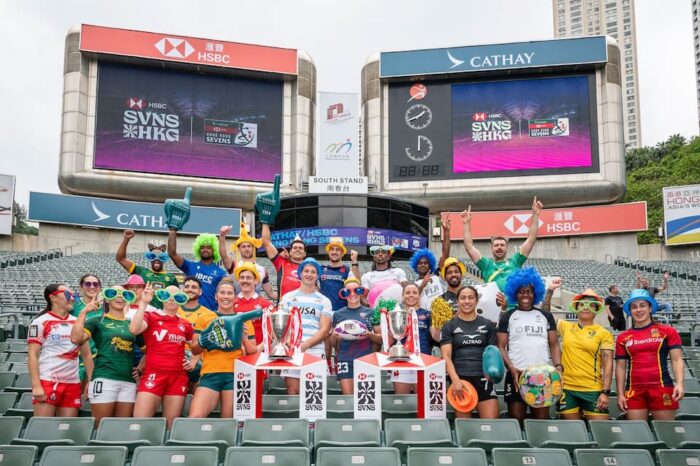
(696, 41)
(614, 18)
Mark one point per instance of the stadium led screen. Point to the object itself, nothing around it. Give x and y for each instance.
(156, 120)
(500, 128)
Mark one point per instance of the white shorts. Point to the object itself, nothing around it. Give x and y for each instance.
(110, 391)
(294, 373)
(404, 376)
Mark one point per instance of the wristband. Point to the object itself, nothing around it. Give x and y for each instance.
(606, 392)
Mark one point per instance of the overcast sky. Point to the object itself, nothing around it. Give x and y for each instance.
(339, 36)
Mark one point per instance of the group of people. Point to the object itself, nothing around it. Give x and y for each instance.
(134, 347)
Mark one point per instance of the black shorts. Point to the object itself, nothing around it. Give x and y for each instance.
(344, 370)
(511, 395)
(485, 388)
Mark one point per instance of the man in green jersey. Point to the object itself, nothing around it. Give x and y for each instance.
(156, 275)
(498, 268)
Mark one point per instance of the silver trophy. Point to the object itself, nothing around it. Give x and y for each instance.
(280, 343)
(398, 327)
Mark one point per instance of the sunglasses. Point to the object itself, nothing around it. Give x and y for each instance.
(585, 305)
(112, 293)
(91, 284)
(69, 296)
(179, 297)
(345, 292)
(152, 256)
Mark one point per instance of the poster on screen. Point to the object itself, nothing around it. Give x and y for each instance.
(682, 214)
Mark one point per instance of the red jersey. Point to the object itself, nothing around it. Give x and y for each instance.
(287, 276)
(646, 350)
(242, 304)
(165, 340)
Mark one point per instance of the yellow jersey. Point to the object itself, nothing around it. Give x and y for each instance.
(217, 360)
(581, 354)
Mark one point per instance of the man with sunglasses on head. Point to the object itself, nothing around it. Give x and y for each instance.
(157, 256)
(382, 270)
(349, 350)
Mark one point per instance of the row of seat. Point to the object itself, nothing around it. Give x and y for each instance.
(398, 433)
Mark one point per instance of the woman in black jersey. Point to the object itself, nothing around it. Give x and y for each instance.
(462, 343)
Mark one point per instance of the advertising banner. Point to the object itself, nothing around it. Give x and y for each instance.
(193, 50)
(7, 197)
(574, 221)
(123, 215)
(351, 237)
(177, 123)
(682, 214)
(538, 54)
(338, 149)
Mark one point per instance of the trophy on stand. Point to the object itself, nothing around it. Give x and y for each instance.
(280, 335)
(398, 327)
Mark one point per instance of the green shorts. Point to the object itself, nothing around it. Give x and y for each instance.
(573, 401)
(194, 375)
(217, 381)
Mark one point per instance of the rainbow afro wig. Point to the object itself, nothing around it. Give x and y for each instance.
(527, 276)
(206, 239)
(420, 254)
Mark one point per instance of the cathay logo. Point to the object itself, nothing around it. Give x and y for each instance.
(455, 62)
(100, 215)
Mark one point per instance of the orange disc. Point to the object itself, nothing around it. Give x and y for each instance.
(469, 398)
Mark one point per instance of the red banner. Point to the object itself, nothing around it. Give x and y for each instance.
(575, 221)
(187, 49)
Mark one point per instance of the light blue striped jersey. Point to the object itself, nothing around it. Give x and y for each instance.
(312, 306)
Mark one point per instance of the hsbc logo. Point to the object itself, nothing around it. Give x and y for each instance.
(433, 376)
(240, 376)
(310, 376)
(174, 47)
(479, 116)
(518, 223)
(136, 104)
(362, 376)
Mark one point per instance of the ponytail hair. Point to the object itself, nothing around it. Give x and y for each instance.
(50, 289)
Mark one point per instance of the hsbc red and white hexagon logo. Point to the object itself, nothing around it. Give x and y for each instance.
(240, 376)
(310, 376)
(174, 47)
(433, 376)
(361, 376)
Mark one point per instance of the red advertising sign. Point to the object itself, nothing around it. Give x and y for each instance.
(574, 221)
(187, 49)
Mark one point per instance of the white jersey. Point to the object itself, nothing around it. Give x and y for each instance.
(528, 339)
(369, 279)
(432, 290)
(58, 360)
(311, 306)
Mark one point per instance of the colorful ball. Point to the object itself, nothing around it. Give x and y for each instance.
(540, 386)
(351, 329)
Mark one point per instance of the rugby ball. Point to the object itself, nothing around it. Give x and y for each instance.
(350, 329)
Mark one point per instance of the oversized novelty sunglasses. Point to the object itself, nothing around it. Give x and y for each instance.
(90, 284)
(152, 256)
(69, 296)
(179, 297)
(112, 293)
(345, 292)
(585, 305)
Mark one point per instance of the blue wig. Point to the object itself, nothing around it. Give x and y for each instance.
(420, 254)
(527, 276)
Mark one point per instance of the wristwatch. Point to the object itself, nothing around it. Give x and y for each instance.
(606, 392)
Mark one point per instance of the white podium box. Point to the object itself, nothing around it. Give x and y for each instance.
(250, 377)
(430, 385)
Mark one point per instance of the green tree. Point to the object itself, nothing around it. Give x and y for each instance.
(19, 220)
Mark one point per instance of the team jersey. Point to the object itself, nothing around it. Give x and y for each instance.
(210, 275)
(451, 299)
(394, 274)
(158, 280)
(115, 347)
(498, 271)
(262, 272)
(243, 304)
(287, 277)
(193, 315)
(78, 306)
(165, 340)
(432, 290)
(332, 281)
(312, 306)
(581, 354)
(58, 360)
(349, 350)
(424, 324)
(646, 350)
(215, 361)
(468, 340)
(528, 339)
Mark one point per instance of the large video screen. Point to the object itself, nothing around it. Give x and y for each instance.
(179, 123)
(493, 128)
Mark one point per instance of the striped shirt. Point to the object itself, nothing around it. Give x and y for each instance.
(311, 306)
